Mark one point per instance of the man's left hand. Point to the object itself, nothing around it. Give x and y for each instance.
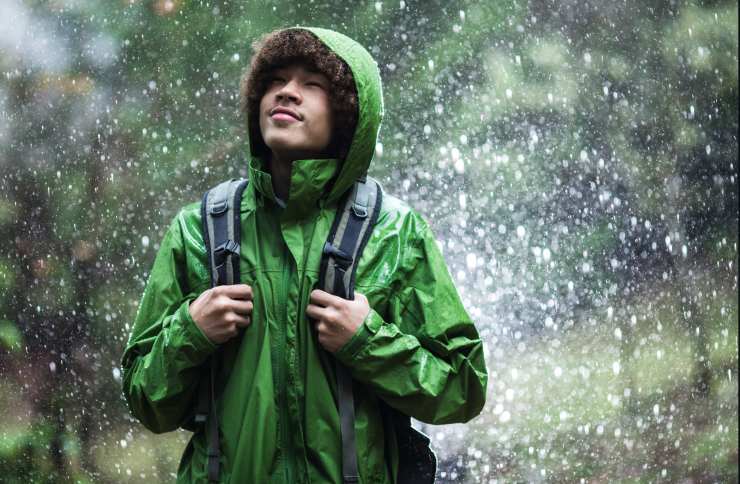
(337, 319)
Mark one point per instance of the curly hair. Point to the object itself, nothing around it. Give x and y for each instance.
(281, 48)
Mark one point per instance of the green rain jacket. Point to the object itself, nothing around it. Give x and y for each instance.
(417, 349)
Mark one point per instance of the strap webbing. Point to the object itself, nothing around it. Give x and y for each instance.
(347, 424)
(214, 446)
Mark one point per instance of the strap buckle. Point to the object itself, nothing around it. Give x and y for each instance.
(359, 210)
(227, 248)
(220, 208)
(361, 199)
(341, 257)
(220, 253)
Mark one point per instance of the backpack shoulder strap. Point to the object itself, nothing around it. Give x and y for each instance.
(222, 229)
(220, 214)
(348, 236)
(352, 227)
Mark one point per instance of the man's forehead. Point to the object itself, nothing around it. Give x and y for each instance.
(310, 68)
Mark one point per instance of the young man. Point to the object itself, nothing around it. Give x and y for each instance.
(313, 104)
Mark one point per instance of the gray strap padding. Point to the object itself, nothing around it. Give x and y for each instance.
(361, 205)
(220, 220)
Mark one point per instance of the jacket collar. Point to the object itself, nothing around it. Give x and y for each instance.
(310, 183)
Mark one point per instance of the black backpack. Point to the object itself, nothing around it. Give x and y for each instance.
(351, 229)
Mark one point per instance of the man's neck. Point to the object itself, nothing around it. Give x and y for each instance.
(280, 170)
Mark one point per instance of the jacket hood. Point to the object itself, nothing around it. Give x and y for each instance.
(310, 179)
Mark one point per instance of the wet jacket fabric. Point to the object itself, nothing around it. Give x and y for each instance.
(277, 409)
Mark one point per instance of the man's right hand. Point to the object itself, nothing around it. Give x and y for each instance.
(222, 310)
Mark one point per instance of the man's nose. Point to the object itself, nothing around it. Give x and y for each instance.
(290, 92)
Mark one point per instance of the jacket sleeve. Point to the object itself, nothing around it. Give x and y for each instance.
(426, 359)
(162, 361)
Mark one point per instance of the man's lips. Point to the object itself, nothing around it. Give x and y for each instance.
(284, 114)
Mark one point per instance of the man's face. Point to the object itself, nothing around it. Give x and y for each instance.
(295, 114)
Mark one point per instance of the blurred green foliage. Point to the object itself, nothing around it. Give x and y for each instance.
(577, 160)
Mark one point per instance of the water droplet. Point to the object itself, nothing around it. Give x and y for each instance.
(471, 260)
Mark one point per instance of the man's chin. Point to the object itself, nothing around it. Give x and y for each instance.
(292, 151)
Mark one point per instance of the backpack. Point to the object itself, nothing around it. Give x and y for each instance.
(350, 231)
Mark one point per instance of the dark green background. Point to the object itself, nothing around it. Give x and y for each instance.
(576, 159)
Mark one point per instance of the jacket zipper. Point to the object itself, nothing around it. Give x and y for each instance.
(282, 347)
